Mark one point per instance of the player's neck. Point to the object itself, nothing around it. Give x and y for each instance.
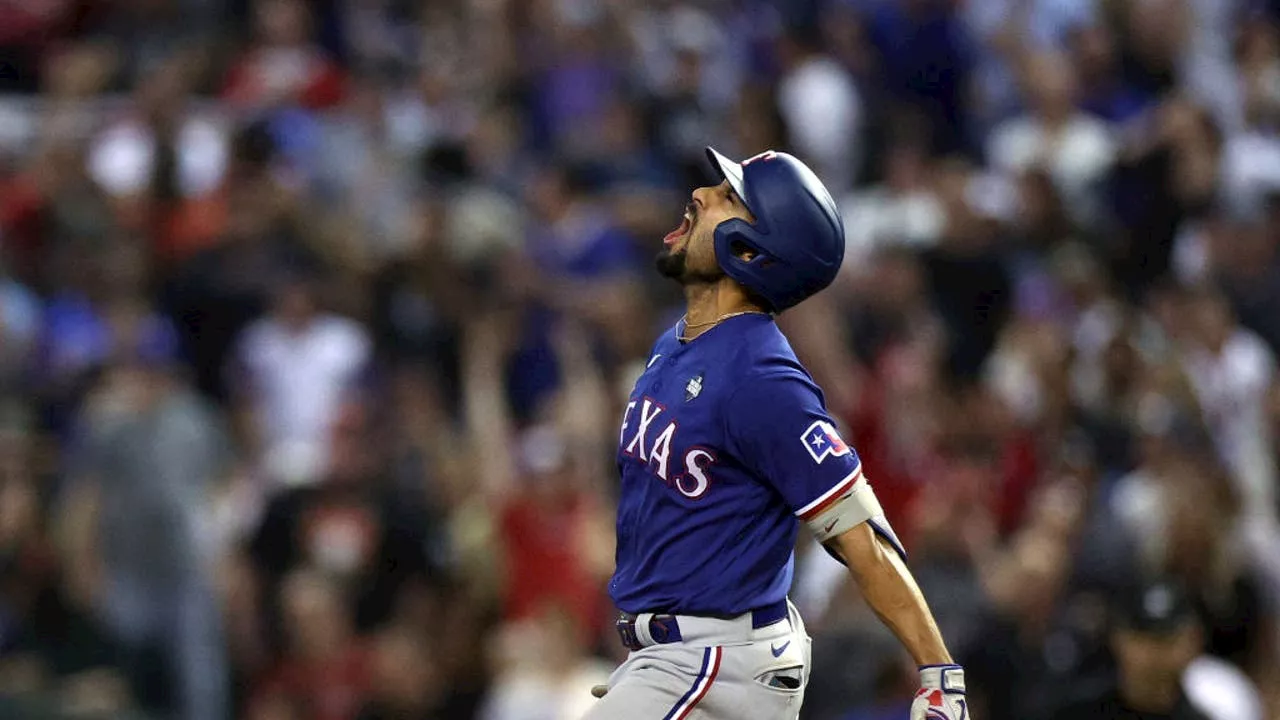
(706, 304)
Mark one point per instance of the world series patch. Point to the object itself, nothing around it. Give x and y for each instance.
(693, 388)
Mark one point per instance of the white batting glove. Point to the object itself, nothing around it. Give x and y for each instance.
(941, 694)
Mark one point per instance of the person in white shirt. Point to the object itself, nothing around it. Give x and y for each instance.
(904, 209)
(1075, 148)
(1231, 370)
(822, 111)
(300, 365)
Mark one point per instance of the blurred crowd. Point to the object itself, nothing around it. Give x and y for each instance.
(317, 319)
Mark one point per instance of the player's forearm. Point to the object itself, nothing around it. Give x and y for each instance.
(892, 593)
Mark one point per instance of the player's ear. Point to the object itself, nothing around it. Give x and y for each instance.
(742, 252)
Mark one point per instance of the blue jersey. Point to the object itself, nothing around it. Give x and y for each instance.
(725, 446)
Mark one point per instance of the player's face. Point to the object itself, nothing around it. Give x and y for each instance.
(688, 255)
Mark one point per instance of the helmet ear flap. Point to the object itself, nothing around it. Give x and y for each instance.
(731, 238)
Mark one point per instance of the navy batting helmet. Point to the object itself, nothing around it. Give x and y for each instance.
(798, 236)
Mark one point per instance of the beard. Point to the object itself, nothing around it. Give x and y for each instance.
(674, 265)
(671, 265)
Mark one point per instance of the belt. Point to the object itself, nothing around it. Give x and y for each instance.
(665, 628)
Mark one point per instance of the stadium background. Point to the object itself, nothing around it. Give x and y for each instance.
(316, 321)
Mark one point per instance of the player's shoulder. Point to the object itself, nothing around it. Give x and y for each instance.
(764, 353)
(765, 385)
(767, 369)
(771, 393)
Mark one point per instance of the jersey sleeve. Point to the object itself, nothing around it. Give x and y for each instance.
(780, 430)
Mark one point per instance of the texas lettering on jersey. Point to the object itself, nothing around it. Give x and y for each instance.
(646, 443)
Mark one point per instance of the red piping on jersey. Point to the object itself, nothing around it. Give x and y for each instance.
(835, 496)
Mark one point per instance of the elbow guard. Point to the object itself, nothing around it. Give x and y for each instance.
(857, 505)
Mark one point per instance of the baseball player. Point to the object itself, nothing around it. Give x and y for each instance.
(725, 448)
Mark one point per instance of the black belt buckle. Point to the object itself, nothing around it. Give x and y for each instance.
(627, 631)
(662, 628)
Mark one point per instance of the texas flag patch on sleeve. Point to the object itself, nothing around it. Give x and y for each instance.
(822, 441)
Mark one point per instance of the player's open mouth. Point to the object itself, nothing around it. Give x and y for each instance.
(685, 224)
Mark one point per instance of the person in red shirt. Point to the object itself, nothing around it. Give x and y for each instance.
(284, 66)
(556, 537)
(326, 671)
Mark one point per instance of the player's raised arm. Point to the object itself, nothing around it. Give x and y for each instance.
(892, 593)
(784, 431)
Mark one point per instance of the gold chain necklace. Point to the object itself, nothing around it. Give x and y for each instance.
(682, 337)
